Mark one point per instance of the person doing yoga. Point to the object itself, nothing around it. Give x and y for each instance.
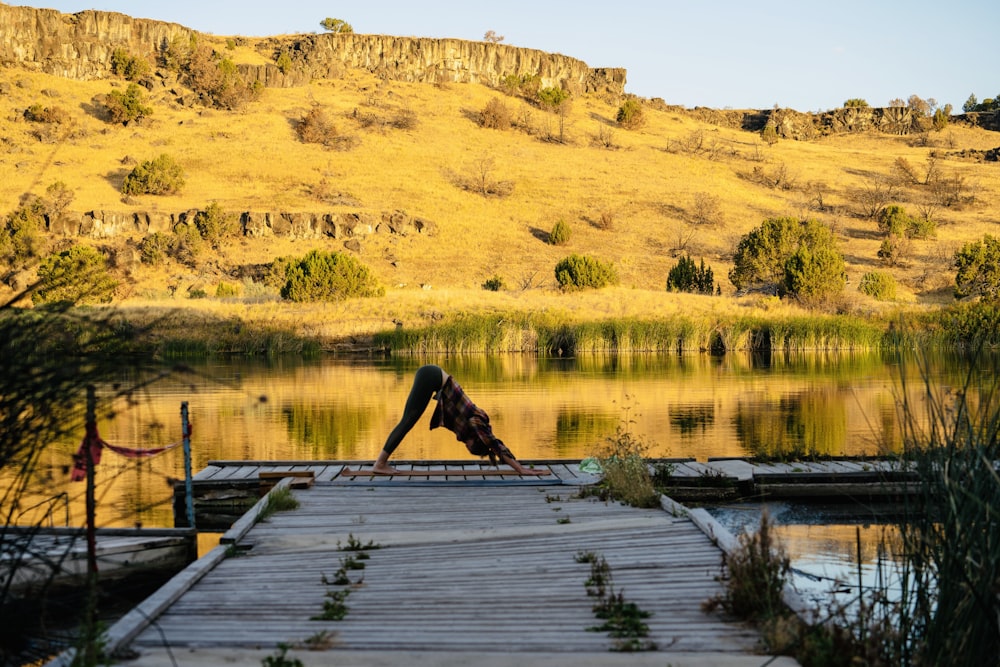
(455, 412)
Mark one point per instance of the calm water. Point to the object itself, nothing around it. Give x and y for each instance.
(681, 406)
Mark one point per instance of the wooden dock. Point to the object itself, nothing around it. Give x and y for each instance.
(224, 490)
(469, 568)
(56, 558)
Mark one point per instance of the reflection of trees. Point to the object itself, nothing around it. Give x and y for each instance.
(812, 422)
(576, 427)
(690, 418)
(332, 433)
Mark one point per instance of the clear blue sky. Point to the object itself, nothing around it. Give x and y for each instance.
(809, 56)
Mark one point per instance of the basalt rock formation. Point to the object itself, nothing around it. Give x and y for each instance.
(80, 45)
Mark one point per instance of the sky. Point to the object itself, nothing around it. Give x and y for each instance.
(798, 54)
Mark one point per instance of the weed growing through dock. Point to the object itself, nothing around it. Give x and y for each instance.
(626, 474)
(334, 607)
(278, 500)
(281, 659)
(354, 544)
(623, 620)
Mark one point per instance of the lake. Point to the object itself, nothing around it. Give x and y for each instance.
(694, 405)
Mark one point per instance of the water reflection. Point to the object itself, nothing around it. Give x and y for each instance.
(695, 405)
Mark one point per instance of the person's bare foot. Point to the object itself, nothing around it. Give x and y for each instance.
(384, 469)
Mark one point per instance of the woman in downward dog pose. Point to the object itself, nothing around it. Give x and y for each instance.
(455, 412)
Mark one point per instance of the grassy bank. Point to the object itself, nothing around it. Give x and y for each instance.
(198, 329)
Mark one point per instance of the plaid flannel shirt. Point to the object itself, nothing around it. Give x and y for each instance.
(469, 423)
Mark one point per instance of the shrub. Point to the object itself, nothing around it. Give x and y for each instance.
(336, 26)
(127, 66)
(495, 115)
(162, 176)
(226, 290)
(215, 225)
(493, 284)
(77, 275)
(284, 62)
(37, 113)
(878, 285)
(758, 568)
(154, 249)
(812, 273)
(315, 127)
(217, 79)
(560, 233)
(326, 276)
(856, 103)
(630, 115)
(128, 106)
(579, 272)
(685, 276)
(978, 269)
(21, 236)
(769, 135)
(789, 256)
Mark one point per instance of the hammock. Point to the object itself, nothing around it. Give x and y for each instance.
(95, 443)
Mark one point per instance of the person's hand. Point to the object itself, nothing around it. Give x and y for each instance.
(534, 472)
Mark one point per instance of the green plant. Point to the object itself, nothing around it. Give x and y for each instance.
(278, 500)
(22, 235)
(878, 285)
(225, 290)
(37, 113)
(583, 271)
(328, 276)
(215, 225)
(560, 233)
(160, 176)
(623, 620)
(281, 659)
(334, 607)
(354, 544)
(284, 62)
(336, 26)
(77, 275)
(623, 457)
(685, 276)
(630, 114)
(127, 66)
(769, 134)
(493, 284)
(789, 256)
(856, 103)
(128, 106)
(978, 269)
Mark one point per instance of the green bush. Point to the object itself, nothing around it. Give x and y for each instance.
(284, 62)
(686, 276)
(336, 26)
(630, 114)
(215, 225)
(78, 275)
(37, 113)
(580, 272)
(22, 234)
(128, 106)
(162, 176)
(154, 249)
(494, 284)
(127, 66)
(327, 276)
(560, 233)
(978, 269)
(814, 273)
(878, 285)
(789, 256)
(226, 290)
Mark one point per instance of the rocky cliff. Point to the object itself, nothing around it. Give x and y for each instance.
(80, 45)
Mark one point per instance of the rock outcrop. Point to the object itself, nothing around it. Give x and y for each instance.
(80, 45)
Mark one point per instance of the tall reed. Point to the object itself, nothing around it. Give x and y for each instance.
(950, 540)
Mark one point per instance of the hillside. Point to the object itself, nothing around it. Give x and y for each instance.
(396, 190)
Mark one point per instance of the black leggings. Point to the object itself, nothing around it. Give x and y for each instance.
(426, 382)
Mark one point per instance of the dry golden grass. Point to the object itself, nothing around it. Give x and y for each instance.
(252, 160)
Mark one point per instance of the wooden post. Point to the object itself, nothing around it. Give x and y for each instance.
(188, 484)
(89, 639)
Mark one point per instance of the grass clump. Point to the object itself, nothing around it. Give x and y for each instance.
(626, 472)
(278, 500)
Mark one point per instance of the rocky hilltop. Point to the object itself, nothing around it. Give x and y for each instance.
(80, 45)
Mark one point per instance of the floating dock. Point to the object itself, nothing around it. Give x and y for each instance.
(462, 567)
